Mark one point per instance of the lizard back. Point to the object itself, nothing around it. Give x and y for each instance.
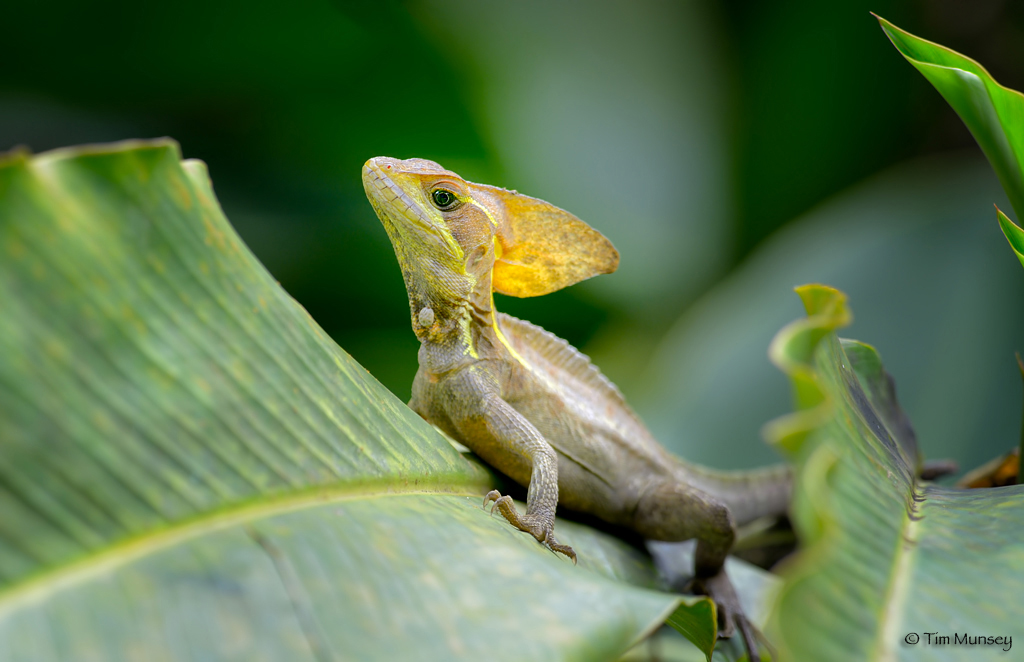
(596, 429)
(593, 402)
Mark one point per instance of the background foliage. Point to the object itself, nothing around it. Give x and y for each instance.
(713, 142)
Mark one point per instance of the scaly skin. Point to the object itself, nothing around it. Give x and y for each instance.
(524, 400)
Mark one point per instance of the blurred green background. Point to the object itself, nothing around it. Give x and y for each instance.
(731, 150)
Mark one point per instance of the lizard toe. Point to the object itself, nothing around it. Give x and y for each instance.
(539, 527)
(556, 546)
(493, 495)
(730, 613)
(507, 508)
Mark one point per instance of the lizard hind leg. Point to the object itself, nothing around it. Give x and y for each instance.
(673, 511)
(544, 534)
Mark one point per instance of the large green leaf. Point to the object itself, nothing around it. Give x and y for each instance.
(885, 556)
(190, 467)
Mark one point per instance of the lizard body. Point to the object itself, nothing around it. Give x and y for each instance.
(526, 401)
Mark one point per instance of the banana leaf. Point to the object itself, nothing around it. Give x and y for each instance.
(891, 567)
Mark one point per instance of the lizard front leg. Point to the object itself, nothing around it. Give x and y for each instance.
(506, 440)
(512, 434)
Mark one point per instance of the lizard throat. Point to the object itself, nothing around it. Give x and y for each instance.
(466, 332)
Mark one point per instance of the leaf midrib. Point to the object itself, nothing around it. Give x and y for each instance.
(39, 586)
(900, 579)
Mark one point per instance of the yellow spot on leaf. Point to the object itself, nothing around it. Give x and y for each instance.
(131, 317)
(214, 235)
(15, 248)
(144, 171)
(55, 349)
(102, 421)
(239, 371)
(159, 377)
(184, 195)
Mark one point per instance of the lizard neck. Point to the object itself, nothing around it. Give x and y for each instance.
(461, 332)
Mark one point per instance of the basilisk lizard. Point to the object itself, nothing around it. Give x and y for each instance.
(524, 400)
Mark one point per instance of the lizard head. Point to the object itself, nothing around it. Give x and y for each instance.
(456, 240)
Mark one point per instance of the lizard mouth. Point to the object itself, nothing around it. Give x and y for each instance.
(414, 233)
(392, 204)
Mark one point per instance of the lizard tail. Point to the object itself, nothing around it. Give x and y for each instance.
(749, 495)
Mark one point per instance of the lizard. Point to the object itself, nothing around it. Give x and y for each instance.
(527, 402)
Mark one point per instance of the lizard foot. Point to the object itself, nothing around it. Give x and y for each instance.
(730, 613)
(542, 531)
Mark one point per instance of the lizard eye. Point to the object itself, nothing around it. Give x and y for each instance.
(444, 199)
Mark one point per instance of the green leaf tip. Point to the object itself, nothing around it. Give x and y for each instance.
(792, 350)
(917, 49)
(1013, 233)
(696, 618)
(826, 311)
(824, 300)
(990, 111)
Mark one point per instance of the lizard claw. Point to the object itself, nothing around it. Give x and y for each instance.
(555, 546)
(504, 504)
(528, 523)
(507, 508)
(493, 495)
